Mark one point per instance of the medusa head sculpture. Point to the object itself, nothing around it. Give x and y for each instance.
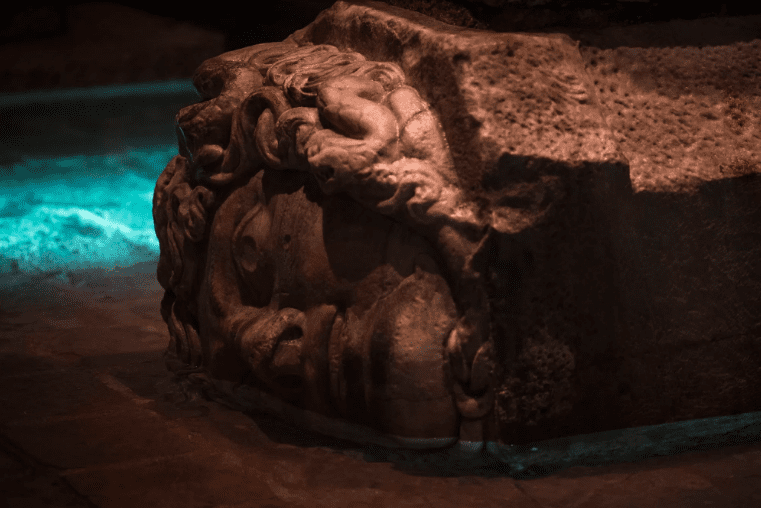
(314, 240)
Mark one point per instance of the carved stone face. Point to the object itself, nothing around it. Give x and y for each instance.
(334, 308)
(325, 270)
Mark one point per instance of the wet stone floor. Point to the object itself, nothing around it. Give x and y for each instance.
(92, 417)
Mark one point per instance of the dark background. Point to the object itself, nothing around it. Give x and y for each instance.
(275, 20)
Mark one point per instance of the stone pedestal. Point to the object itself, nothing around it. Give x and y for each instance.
(400, 231)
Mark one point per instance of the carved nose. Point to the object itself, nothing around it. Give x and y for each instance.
(286, 362)
(287, 355)
(274, 349)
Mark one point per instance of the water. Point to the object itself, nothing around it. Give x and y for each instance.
(93, 211)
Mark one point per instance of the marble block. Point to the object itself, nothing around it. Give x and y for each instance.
(394, 225)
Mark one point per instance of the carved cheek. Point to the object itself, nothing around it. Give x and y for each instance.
(314, 265)
(387, 367)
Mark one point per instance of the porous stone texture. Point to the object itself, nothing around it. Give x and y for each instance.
(425, 230)
(683, 100)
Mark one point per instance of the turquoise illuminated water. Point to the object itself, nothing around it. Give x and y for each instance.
(96, 211)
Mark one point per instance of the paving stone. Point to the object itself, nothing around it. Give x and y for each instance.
(186, 481)
(53, 393)
(100, 438)
(73, 341)
(15, 361)
(25, 484)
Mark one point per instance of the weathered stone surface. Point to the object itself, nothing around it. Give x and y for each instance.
(419, 229)
(343, 201)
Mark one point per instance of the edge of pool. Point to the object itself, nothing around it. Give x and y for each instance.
(180, 87)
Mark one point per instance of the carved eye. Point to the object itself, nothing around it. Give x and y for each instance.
(249, 256)
(251, 237)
